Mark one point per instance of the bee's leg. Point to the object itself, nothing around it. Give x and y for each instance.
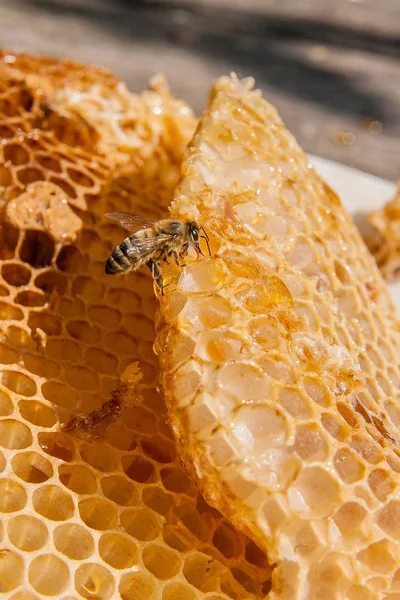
(174, 254)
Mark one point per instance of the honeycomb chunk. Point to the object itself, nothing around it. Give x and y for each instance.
(282, 404)
(114, 517)
(384, 240)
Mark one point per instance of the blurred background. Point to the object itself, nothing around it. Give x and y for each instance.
(332, 67)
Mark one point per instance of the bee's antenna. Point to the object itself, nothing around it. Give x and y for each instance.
(205, 237)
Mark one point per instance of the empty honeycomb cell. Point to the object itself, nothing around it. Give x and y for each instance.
(120, 437)
(141, 523)
(5, 176)
(98, 513)
(138, 469)
(12, 496)
(49, 281)
(58, 445)
(335, 426)
(53, 503)
(47, 322)
(48, 575)
(27, 533)
(63, 350)
(178, 591)
(59, 394)
(29, 298)
(349, 518)
(20, 338)
(80, 377)
(389, 519)
(4, 291)
(367, 448)
(89, 289)
(314, 491)
(74, 541)
(8, 312)
(70, 260)
(100, 457)
(225, 540)
(118, 550)
(259, 427)
(349, 468)
(28, 175)
(8, 356)
(37, 249)
(14, 434)
(6, 407)
(19, 383)
(24, 595)
(37, 413)
(9, 237)
(90, 402)
(156, 499)
(65, 186)
(310, 443)
(381, 483)
(120, 490)
(80, 178)
(317, 392)
(41, 366)
(162, 562)
(16, 274)
(104, 316)
(77, 478)
(159, 449)
(137, 586)
(125, 300)
(202, 572)
(48, 162)
(175, 480)
(11, 570)
(31, 467)
(176, 540)
(94, 581)
(103, 362)
(84, 332)
(121, 343)
(3, 463)
(71, 308)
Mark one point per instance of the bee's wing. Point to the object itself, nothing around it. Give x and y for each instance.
(131, 222)
(150, 244)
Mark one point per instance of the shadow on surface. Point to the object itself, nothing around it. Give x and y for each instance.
(264, 46)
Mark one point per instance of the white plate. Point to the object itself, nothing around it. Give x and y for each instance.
(360, 193)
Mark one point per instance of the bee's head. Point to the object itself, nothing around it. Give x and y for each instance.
(194, 237)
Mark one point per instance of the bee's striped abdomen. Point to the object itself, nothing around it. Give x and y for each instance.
(122, 258)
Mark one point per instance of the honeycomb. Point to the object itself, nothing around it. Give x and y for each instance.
(384, 242)
(280, 360)
(112, 515)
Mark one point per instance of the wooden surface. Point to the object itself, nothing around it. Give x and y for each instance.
(332, 67)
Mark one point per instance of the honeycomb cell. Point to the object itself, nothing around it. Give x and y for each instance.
(30, 299)
(349, 517)
(14, 434)
(118, 550)
(143, 524)
(37, 249)
(31, 467)
(105, 316)
(121, 343)
(381, 484)
(19, 338)
(138, 469)
(101, 361)
(120, 437)
(37, 413)
(156, 499)
(27, 533)
(53, 503)
(16, 274)
(380, 556)
(137, 586)
(202, 572)
(74, 541)
(310, 443)
(389, 519)
(6, 407)
(51, 281)
(11, 570)
(314, 491)
(80, 378)
(349, 468)
(175, 480)
(162, 562)
(226, 541)
(97, 513)
(47, 322)
(125, 300)
(48, 575)
(178, 591)
(259, 427)
(159, 449)
(19, 383)
(94, 581)
(77, 478)
(24, 596)
(100, 457)
(8, 356)
(58, 445)
(63, 350)
(83, 331)
(41, 366)
(12, 496)
(59, 394)
(3, 462)
(120, 490)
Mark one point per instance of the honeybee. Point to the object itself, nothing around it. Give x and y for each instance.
(152, 242)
